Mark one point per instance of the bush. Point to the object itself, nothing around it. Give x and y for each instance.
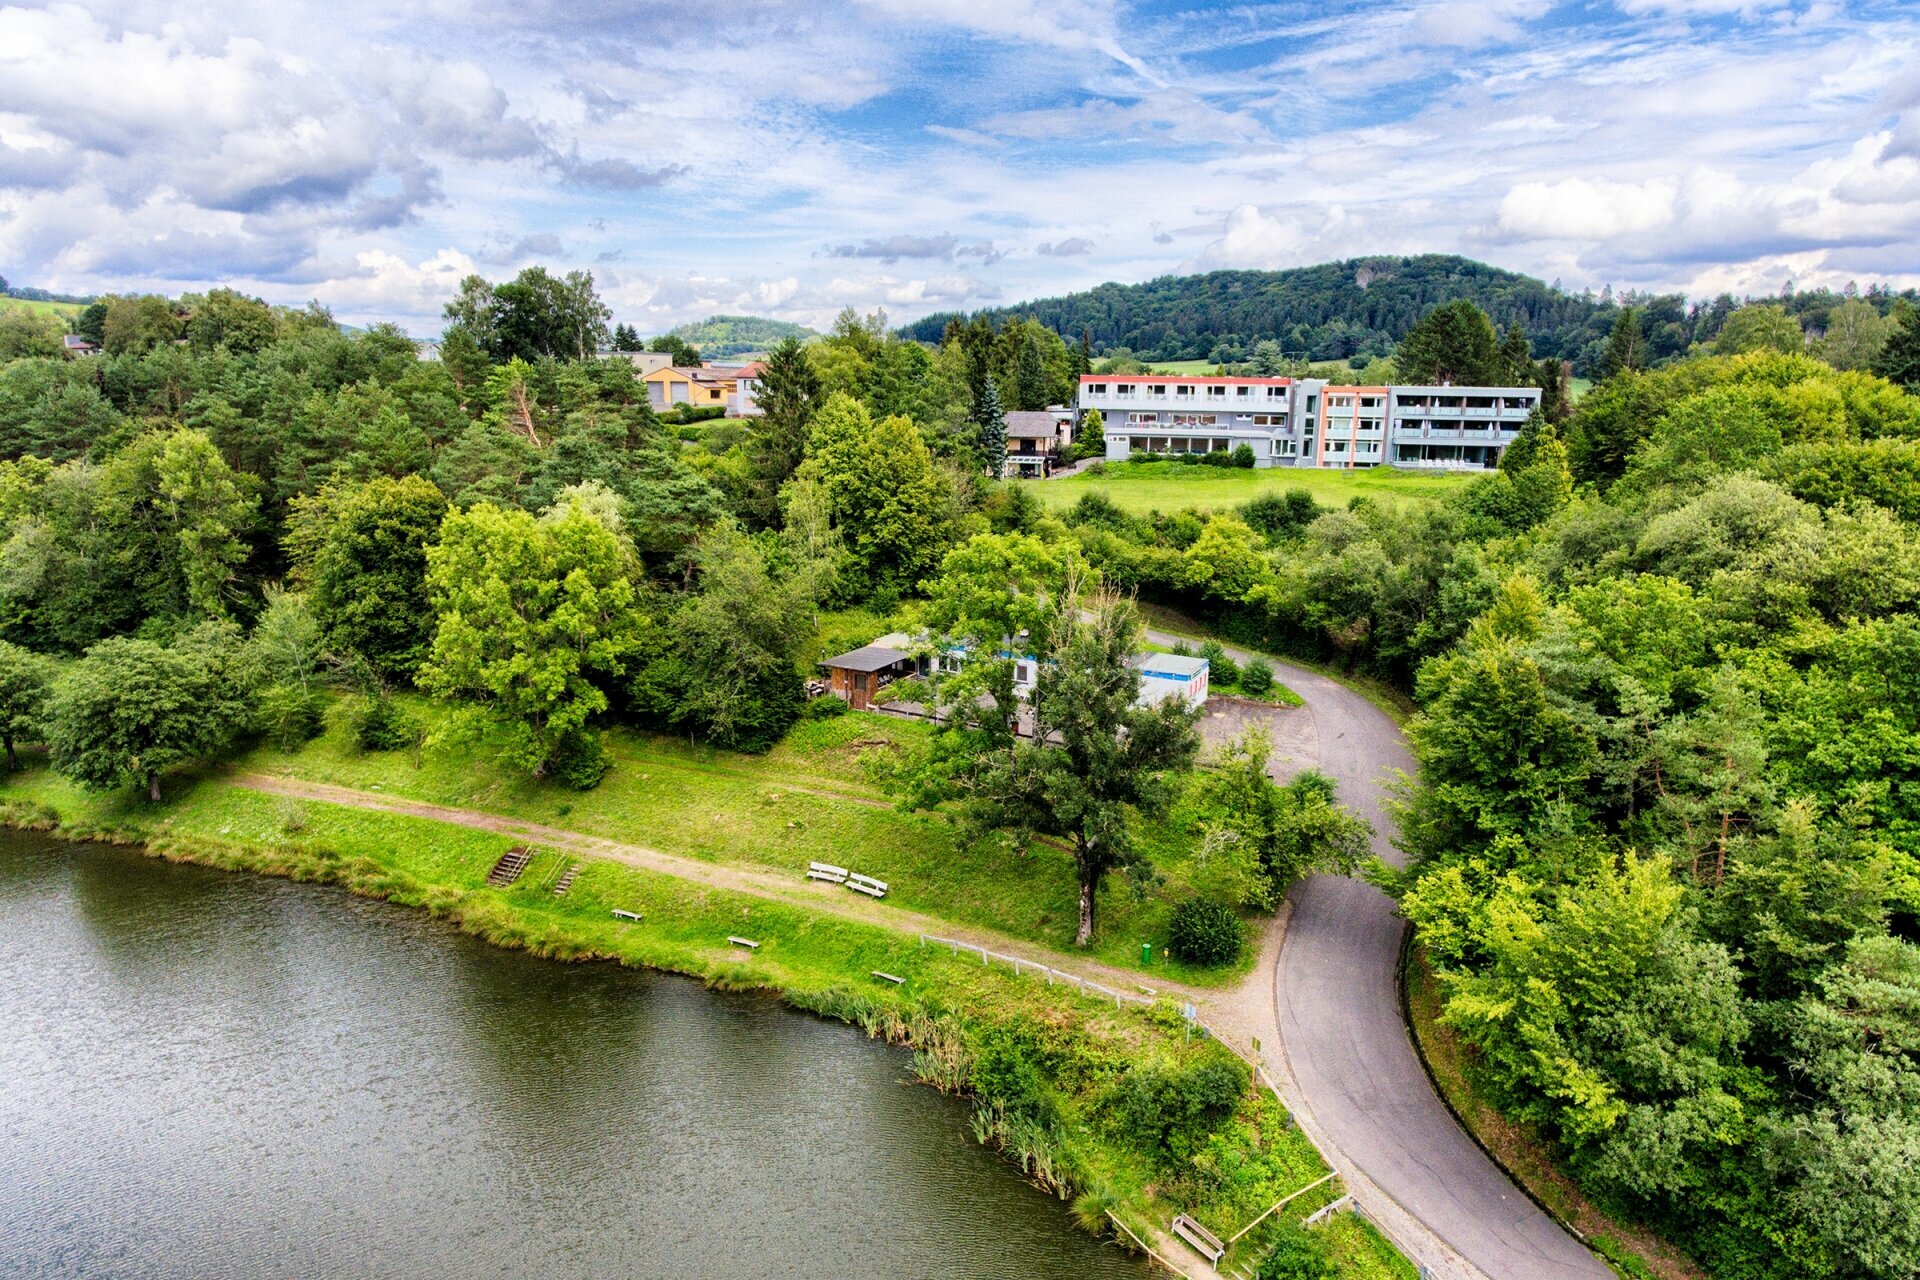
(288, 715)
(579, 761)
(824, 707)
(1223, 670)
(381, 724)
(1098, 468)
(1205, 932)
(1256, 678)
(1243, 456)
(1297, 1254)
(1167, 1111)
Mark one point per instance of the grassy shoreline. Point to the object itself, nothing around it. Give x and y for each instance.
(958, 1017)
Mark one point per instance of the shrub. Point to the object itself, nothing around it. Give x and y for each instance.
(825, 707)
(1243, 456)
(381, 724)
(1256, 678)
(1205, 932)
(1097, 469)
(579, 760)
(1224, 670)
(288, 716)
(1168, 1110)
(1297, 1254)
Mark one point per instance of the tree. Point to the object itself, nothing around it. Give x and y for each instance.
(894, 510)
(1095, 758)
(1289, 831)
(176, 512)
(138, 324)
(1899, 360)
(1031, 384)
(1760, 327)
(992, 424)
(368, 567)
(92, 323)
(26, 682)
(683, 353)
(625, 338)
(227, 319)
(534, 619)
(534, 315)
(726, 663)
(130, 709)
(1626, 345)
(1453, 343)
(788, 394)
(1856, 334)
(1516, 357)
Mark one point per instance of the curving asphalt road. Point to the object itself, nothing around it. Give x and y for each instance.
(1356, 1078)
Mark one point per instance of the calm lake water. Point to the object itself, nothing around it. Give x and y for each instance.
(205, 1074)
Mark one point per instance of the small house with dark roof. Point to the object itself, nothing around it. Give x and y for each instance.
(74, 344)
(1035, 438)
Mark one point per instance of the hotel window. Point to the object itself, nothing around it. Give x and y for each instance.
(1243, 391)
(1183, 391)
(1313, 401)
(1286, 448)
(1217, 391)
(1157, 389)
(1143, 419)
(1336, 446)
(1369, 402)
(1096, 388)
(1269, 419)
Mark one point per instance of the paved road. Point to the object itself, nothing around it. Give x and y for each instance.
(1369, 1103)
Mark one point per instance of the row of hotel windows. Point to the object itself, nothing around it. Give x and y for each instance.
(1160, 389)
(1359, 450)
(1202, 419)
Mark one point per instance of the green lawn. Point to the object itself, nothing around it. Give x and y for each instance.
(1140, 487)
(807, 800)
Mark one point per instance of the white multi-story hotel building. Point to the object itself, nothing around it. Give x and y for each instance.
(1290, 422)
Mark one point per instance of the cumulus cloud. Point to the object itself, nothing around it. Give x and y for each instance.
(1587, 209)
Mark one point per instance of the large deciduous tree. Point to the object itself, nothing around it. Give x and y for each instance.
(893, 508)
(535, 618)
(130, 709)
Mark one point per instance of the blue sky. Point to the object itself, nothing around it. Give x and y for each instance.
(791, 157)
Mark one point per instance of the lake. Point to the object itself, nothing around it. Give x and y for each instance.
(209, 1074)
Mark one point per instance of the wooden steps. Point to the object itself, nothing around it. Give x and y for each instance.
(510, 867)
(566, 881)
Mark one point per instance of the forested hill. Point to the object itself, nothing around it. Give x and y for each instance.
(736, 335)
(1363, 307)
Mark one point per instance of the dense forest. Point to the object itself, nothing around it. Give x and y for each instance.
(1665, 837)
(1363, 307)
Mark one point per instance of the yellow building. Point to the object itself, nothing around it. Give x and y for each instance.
(678, 384)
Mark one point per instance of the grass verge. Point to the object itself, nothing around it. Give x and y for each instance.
(1632, 1251)
(1066, 1084)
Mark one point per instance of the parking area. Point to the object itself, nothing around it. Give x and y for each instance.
(1296, 742)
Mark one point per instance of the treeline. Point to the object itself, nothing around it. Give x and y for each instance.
(1666, 829)
(510, 526)
(1363, 307)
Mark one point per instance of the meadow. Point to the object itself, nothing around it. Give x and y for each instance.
(1141, 487)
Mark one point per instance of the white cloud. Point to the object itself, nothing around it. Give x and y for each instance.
(1587, 208)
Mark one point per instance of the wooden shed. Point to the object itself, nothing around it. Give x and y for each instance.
(859, 675)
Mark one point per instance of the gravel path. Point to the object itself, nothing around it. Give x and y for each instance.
(1324, 1003)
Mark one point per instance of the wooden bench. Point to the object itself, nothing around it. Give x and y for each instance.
(895, 979)
(1200, 1238)
(867, 885)
(618, 914)
(827, 871)
(748, 943)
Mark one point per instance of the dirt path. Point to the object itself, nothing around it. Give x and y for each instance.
(809, 895)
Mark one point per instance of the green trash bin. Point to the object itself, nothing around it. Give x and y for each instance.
(1146, 953)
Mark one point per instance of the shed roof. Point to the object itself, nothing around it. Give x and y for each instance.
(1172, 664)
(1031, 424)
(872, 657)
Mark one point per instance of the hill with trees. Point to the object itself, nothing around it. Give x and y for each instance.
(721, 336)
(1363, 307)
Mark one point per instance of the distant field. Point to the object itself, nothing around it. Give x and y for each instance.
(1166, 486)
(64, 310)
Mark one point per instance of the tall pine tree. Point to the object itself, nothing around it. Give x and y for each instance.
(993, 429)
